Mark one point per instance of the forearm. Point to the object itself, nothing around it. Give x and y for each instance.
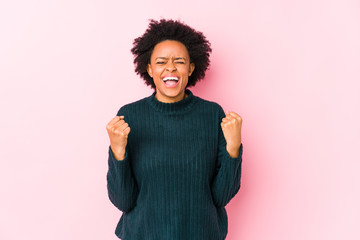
(226, 182)
(121, 185)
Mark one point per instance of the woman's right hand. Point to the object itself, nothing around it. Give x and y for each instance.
(118, 131)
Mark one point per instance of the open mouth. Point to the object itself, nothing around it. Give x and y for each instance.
(171, 81)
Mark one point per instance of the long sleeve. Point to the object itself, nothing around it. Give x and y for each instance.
(122, 188)
(121, 184)
(226, 182)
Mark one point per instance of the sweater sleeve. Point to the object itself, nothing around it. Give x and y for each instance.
(121, 184)
(226, 182)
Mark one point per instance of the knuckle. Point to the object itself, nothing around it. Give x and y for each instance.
(123, 134)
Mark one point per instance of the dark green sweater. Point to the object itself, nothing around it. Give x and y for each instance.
(177, 176)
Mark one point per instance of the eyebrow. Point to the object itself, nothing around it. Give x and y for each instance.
(168, 58)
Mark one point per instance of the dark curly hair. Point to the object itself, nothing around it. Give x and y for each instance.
(197, 45)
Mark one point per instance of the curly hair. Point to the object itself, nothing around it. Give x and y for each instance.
(197, 46)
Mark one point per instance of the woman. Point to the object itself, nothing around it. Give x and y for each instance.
(174, 158)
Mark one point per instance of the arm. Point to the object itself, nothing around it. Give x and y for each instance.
(121, 184)
(226, 182)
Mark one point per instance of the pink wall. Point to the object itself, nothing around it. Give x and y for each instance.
(289, 68)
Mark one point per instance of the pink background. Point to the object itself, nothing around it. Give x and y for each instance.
(289, 68)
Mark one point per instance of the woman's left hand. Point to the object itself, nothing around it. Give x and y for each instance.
(231, 127)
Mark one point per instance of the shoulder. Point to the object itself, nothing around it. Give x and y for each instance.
(210, 105)
(132, 105)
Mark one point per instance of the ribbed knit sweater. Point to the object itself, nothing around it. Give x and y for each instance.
(177, 176)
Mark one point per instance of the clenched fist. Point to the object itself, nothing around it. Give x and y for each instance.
(118, 131)
(231, 127)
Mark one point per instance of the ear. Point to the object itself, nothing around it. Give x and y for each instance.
(191, 68)
(149, 70)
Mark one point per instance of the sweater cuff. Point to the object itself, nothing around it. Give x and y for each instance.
(113, 159)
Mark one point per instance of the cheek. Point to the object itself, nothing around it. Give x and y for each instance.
(187, 72)
(157, 71)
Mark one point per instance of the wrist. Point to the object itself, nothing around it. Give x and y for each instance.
(233, 151)
(119, 154)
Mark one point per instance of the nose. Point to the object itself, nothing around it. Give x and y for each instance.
(170, 66)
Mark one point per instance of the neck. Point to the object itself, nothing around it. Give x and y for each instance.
(179, 106)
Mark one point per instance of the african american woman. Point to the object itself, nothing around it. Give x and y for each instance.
(174, 158)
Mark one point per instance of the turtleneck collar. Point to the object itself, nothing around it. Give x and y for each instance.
(176, 107)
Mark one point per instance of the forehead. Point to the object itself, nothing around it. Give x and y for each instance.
(170, 48)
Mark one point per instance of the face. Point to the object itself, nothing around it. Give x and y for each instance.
(170, 69)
